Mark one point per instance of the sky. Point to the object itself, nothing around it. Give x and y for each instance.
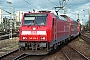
(73, 7)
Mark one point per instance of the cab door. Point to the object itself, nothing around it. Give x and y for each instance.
(55, 28)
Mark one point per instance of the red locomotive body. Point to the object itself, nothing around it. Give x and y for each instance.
(43, 31)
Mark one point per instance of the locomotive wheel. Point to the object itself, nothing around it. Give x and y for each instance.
(55, 46)
(22, 48)
(69, 39)
(28, 47)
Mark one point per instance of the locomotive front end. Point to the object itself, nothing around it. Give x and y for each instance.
(33, 34)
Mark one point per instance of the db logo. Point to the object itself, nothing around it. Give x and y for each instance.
(33, 32)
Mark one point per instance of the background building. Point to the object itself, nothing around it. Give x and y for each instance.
(1, 15)
(18, 18)
(5, 20)
(1, 18)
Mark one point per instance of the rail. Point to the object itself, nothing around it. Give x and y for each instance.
(84, 37)
(71, 52)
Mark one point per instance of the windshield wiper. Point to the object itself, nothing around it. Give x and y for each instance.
(29, 25)
(36, 23)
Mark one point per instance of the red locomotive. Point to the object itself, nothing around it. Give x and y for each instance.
(43, 31)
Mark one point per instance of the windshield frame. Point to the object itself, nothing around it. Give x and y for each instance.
(40, 19)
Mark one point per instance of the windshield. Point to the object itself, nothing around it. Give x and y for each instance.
(35, 19)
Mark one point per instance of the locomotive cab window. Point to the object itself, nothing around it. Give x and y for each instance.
(35, 19)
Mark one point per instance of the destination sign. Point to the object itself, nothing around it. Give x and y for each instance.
(35, 15)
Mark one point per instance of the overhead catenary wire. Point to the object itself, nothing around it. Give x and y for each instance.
(2, 1)
(30, 4)
(60, 2)
(52, 2)
(44, 4)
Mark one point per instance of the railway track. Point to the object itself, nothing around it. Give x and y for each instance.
(84, 37)
(19, 55)
(6, 36)
(3, 33)
(11, 55)
(30, 57)
(73, 54)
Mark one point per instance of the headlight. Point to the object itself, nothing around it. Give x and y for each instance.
(42, 38)
(24, 38)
